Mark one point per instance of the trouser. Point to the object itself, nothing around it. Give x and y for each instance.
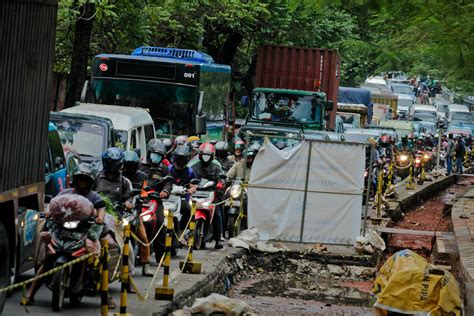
(449, 164)
(459, 161)
(217, 223)
(143, 250)
(185, 214)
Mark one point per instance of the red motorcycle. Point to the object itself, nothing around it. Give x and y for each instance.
(204, 197)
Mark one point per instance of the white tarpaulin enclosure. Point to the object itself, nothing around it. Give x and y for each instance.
(309, 193)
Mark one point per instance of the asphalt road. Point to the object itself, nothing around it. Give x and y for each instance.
(91, 305)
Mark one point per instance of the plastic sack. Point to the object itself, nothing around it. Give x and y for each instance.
(368, 244)
(408, 284)
(248, 239)
(70, 208)
(216, 303)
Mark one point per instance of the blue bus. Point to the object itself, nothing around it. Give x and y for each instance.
(184, 90)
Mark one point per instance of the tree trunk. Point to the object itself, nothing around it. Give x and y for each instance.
(229, 49)
(80, 53)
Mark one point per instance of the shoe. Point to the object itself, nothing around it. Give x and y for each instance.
(146, 270)
(218, 245)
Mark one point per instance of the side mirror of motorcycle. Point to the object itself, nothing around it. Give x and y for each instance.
(147, 188)
(154, 196)
(135, 192)
(168, 179)
(195, 181)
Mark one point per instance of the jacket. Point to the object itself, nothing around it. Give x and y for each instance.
(239, 171)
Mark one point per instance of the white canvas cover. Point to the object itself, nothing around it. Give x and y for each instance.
(333, 199)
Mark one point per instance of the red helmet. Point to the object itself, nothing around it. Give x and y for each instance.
(206, 152)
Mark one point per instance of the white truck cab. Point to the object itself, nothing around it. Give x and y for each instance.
(133, 127)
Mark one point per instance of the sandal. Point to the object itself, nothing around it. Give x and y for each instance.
(25, 301)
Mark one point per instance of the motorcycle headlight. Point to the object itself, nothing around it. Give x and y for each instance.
(71, 225)
(125, 221)
(206, 204)
(417, 160)
(403, 158)
(426, 156)
(235, 191)
(166, 212)
(146, 218)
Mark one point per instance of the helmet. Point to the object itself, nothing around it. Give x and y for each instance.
(404, 138)
(192, 139)
(167, 143)
(239, 145)
(181, 140)
(213, 142)
(131, 162)
(222, 149)
(181, 156)
(83, 177)
(156, 151)
(252, 151)
(206, 153)
(410, 136)
(112, 160)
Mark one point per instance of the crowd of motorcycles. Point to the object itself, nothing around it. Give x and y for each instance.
(70, 221)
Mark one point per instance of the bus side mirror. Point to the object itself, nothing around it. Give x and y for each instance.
(201, 127)
(329, 105)
(244, 101)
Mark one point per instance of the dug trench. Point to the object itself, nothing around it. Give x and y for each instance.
(315, 282)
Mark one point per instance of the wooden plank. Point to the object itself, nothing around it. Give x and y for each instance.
(392, 230)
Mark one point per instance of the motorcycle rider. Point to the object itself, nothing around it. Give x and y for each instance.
(156, 152)
(222, 153)
(207, 168)
(183, 175)
(137, 177)
(82, 180)
(404, 144)
(131, 169)
(420, 143)
(239, 147)
(239, 170)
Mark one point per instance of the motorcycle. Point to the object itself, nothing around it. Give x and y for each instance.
(402, 162)
(236, 208)
(68, 229)
(204, 197)
(153, 217)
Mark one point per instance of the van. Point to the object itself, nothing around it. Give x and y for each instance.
(86, 136)
(456, 108)
(423, 112)
(133, 127)
(55, 164)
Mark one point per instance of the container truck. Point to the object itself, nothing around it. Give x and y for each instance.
(27, 35)
(295, 87)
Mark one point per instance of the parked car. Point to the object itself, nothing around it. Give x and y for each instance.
(55, 165)
(132, 127)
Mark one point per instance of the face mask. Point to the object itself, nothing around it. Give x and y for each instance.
(156, 158)
(206, 158)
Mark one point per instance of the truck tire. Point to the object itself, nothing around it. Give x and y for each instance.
(4, 264)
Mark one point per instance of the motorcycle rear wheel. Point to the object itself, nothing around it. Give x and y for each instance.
(200, 235)
(58, 286)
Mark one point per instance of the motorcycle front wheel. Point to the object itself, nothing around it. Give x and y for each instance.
(200, 234)
(58, 286)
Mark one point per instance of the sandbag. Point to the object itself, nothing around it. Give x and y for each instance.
(216, 303)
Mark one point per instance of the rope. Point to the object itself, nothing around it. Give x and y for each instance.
(151, 242)
(140, 296)
(50, 272)
(184, 265)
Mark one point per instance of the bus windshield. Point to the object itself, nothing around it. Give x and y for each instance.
(174, 106)
(286, 108)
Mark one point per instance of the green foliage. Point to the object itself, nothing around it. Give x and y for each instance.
(372, 36)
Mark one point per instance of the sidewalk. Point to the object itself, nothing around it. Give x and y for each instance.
(462, 216)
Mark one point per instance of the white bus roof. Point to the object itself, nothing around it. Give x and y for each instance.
(123, 117)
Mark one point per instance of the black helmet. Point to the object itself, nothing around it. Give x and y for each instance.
(112, 160)
(222, 149)
(156, 151)
(85, 172)
(181, 156)
(131, 162)
(251, 152)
